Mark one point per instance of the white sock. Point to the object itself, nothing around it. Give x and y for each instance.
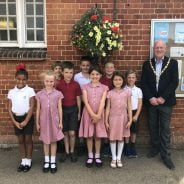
(53, 160)
(97, 155)
(90, 155)
(120, 149)
(28, 162)
(23, 161)
(46, 160)
(113, 150)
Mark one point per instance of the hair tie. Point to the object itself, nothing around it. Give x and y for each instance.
(20, 67)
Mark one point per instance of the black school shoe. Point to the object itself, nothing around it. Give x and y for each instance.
(98, 164)
(73, 157)
(27, 168)
(89, 164)
(46, 169)
(64, 157)
(20, 168)
(53, 170)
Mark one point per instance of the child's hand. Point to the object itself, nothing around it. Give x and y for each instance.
(107, 126)
(96, 119)
(60, 125)
(128, 124)
(79, 116)
(17, 124)
(38, 127)
(23, 124)
(134, 119)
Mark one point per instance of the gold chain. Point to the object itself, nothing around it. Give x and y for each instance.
(154, 71)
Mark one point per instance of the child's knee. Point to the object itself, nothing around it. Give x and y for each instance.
(72, 133)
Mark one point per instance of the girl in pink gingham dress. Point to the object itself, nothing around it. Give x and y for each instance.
(118, 117)
(49, 120)
(92, 122)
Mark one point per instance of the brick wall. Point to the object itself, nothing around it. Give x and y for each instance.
(134, 17)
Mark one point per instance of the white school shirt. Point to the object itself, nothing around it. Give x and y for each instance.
(20, 99)
(81, 79)
(136, 95)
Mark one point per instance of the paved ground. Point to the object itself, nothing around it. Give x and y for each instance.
(135, 171)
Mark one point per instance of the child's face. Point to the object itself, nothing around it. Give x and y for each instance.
(118, 82)
(95, 76)
(58, 70)
(131, 79)
(68, 74)
(109, 69)
(49, 81)
(21, 81)
(85, 65)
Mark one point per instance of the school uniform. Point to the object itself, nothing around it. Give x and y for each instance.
(70, 92)
(107, 81)
(20, 99)
(87, 128)
(82, 80)
(136, 95)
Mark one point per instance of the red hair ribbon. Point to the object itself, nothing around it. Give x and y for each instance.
(20, 67)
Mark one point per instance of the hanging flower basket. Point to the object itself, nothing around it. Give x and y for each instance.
(97, 35)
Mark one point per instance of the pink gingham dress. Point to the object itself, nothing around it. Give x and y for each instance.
(87, 128)
(49, 116)
(118, 117)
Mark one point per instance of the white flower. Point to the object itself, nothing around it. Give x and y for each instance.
(104, 25)
(96, 28)
(90, 34)
(116, 24)
(103, 54)
(108, 32)
(109, 48)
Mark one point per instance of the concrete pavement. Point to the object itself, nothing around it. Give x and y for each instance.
(135, 171)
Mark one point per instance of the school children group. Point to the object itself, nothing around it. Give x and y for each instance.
(107, 107)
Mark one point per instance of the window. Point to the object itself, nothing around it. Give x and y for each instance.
(22, 23)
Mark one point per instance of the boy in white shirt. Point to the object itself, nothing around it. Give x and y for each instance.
(83, 77)
(136, 100)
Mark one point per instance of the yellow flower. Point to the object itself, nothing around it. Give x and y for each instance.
(90, 34)
(102, 45)
(114, 43)
(120, 46)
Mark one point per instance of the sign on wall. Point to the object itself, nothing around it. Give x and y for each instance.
(171, 31)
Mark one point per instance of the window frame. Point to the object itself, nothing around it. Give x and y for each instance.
(21, 29)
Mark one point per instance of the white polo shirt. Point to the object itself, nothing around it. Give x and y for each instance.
(20, 99)
(136, 95)
(81, 79)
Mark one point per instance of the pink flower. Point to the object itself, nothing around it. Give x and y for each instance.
(94, 17)
(115, 29)
(107, 19)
